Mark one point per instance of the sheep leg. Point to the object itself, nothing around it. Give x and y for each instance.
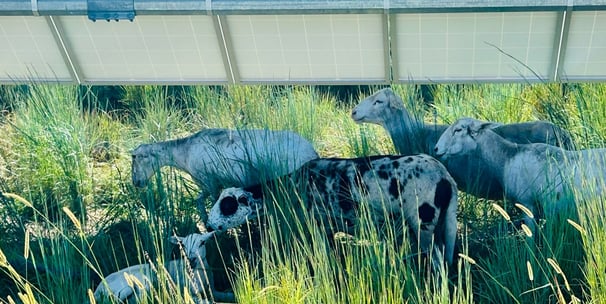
(430, 248)
(208, 283)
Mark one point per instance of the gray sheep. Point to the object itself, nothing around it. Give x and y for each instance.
(530, 173)
(412, 136)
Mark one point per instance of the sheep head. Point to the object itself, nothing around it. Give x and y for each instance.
(144, 164)
(377, 107)
(460, 138)
(234, 207)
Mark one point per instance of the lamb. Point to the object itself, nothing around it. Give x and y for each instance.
(530, 173)
(411, 136)
(218, 158)
(132, 282)
(414, 190)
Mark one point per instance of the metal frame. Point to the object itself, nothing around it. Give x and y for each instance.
(393, 55)
(387, 47)
(249, 7)
(68, 57)
(561, 43)
(229, 58)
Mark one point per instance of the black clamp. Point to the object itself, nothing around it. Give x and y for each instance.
(111, 10)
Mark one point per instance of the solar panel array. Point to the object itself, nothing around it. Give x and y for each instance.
(359, 45)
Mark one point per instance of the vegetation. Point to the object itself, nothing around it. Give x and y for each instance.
(72, 214)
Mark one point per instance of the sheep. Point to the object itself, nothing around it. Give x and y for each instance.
(411, 136)
(132, 282)
(415, 190)
(530, 173)
(218, 158)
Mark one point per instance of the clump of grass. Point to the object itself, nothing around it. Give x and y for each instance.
(59, 255)
(499, 103)
(590, 228)
(590, 101)
(154, 118)
(300, 262)
(528, 266)
(51, 134)
(67, 260)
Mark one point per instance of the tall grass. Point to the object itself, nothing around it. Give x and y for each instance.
(52, 143)
(514, 270)
(504, 103)
(46, 158)
(590, 100)
(299, 263)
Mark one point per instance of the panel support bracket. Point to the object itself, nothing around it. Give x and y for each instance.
(56, 27)
(111, 10)
(561, 42)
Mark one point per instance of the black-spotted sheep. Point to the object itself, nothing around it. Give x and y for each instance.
(416, 189)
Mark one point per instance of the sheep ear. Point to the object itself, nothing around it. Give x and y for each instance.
(256, 191)
(395, 101)
(477, 127)
(486, 125)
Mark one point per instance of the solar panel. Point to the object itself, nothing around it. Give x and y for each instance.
(167, 48)
(315, 48)
(464, 46)
(586, 48)
(28, 51)
(315, 42)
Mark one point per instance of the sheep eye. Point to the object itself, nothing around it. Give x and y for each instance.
(379, 101)
(242, 200)
(228, 206)
(457, 130)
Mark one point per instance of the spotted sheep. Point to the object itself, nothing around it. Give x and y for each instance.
(411, 135)
(218, 158)
(415, 190)
(132, 283)
(531, 174)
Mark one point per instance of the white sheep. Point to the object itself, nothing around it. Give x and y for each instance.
(412, 136)
(529, 173)
(416, 191)
(134, 281)
(218, 158)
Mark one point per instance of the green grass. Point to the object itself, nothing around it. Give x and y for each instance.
(49, 157)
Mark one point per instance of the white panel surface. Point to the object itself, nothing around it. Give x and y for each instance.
(451, 46)
(308, 47)
(585, 55)
(150, 49)
(29, 51)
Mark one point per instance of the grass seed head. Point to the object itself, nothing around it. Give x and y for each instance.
(501, 211)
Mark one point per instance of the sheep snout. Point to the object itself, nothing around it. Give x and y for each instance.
(354, 116)
(439, 153)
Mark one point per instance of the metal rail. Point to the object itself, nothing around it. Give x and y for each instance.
(273, 7)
